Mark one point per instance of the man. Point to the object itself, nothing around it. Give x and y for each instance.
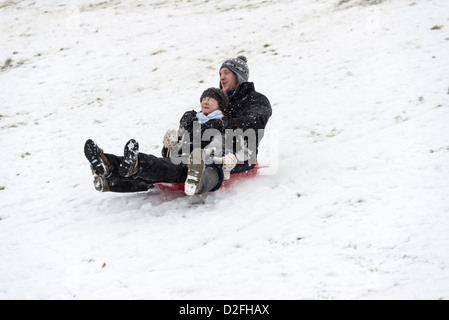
(249, 112)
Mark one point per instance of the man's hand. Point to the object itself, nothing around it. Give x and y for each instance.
(187, 119)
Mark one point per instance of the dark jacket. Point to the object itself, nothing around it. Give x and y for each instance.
(189, 127)
(249, 111)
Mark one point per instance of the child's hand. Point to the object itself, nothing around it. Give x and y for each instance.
(171, 138)
(229, 162)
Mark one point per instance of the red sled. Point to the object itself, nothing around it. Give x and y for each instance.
(235, 177)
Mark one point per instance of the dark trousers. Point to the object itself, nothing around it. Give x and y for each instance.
(151, 170)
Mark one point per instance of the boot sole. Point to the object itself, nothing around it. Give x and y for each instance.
(129, 164)
(196, 165)
(93, 155)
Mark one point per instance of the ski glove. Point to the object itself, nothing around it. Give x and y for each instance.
(171, 138)
(229, 162)
(187, 119)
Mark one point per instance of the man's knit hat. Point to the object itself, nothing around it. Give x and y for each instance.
(219, 96)
(239, 67)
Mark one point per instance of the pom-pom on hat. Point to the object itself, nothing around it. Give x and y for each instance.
(239, 67)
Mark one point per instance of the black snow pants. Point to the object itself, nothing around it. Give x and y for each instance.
(151, 170)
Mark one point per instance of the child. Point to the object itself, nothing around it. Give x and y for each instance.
(214, 106)
(138, 171)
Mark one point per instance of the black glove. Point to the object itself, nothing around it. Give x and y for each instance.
(165, 153)
(187, 119)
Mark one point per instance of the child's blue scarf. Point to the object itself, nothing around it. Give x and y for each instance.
(202, 118)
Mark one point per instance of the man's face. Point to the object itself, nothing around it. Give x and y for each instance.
(228, 80)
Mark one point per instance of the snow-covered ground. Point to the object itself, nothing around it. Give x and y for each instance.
(357, 209)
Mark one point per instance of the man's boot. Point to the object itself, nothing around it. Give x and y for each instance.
(130, 163)
(99, 162)
(101, 183)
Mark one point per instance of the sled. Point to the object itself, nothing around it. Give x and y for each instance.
(235, 177)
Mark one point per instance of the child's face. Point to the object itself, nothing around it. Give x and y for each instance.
(209, 105)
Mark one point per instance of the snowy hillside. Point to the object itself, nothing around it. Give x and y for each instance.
(357, 209)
